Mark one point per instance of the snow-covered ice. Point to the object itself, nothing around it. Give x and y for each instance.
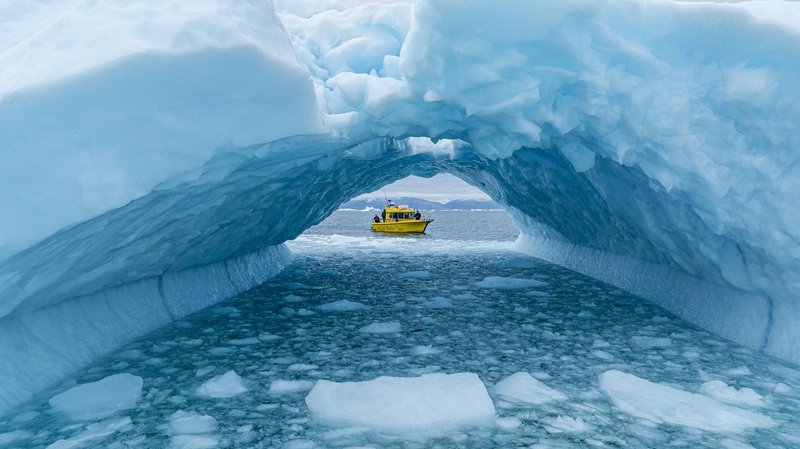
(522, 387)
(95, 431)
(723, 392)
(223, 386)
(283, 386)
(664, 404)
(431, 402)
(183, 422)
(99, 399)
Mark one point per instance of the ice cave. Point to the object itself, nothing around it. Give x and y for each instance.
(157, 156)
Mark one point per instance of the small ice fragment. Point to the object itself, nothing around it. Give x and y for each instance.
(782, 388)
(598, 343)
(464, 296)
(566, 424)
(99, 399)
(343, 305)
(243, 341)
(194, 442)
(416, 274)
(733, 444)
(438, 302)
(644, 342)
(301, 367)
(224, 386)
(282, 386)
(500, 282)
(7, 438)
(724, 393)
(508, 423)
(740, 371)
(660, 403)
(304, 312)
(293, 298)
(431, 402)
(93, 431)
(298, 444)
(537, 294)
(425, 350)
(25, 417)
(266, 336)
(523, 388)
(182, 422)
(382, 328)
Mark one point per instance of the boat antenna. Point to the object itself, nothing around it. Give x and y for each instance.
(386, 197)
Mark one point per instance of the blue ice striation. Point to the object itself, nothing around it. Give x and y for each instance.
(156, 157)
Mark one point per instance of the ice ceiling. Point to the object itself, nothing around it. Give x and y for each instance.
(156, 156)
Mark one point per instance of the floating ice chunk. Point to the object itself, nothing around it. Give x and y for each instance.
(464, 296)
(660, 403)
(416, 274)
(194, 441)
(425, 350)
(566, 424)
(733, 444)
(15, 435)
(508, 423)
(99, 399)
(244, 341)
(382, 328)
(298, 444)
(509, 283)
(301, 367)
(740, 371)
(438, 302)
(515, 262)
(282, 386)
(644, 342)
(537, 294)
(266, 336)
(429, 402)
(93, 431)
(782, 388)
(342, 305)
(223, 386)
(182, 422)
(305, 312)
(724, 393)
(523, 388)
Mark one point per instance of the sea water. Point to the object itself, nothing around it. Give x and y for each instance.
(566, 361)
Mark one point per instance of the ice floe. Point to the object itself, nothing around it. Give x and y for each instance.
(391, 327)
(664, 404)
(343, 305)
(223, 386)
(729, 394)
(521, 387)
(99, 399)
(430, 402)
(500, 282)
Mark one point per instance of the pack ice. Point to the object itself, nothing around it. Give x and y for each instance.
(154, 158)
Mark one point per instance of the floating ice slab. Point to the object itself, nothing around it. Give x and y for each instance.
(416, 274)
(725, 393)
(281, 386)
(509, 283)
(342, 305)
(183, 422)
(428, 402)
(382, 328)
(194, 441)
(662, 404)
(223, 386)
(93, 432)
(523, 388)
(566, 424)
(99, 399)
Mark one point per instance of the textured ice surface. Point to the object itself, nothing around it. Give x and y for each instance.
(723, 392)
(431, 402)
(99, 399)
(555, 341)
(522, 387)
(148, 149)
(222, 386)
(661, 403)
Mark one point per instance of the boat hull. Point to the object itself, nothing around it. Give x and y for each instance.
(402, 227)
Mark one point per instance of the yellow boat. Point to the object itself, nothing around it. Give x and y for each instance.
(400, 219)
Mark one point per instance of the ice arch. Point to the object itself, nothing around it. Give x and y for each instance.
(648, 144)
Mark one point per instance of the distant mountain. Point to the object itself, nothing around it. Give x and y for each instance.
(419, 203)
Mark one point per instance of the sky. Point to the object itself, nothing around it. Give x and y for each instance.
(441, 188)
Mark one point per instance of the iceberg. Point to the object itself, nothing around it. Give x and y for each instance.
(155, 158)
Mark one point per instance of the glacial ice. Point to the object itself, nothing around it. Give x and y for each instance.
(95, 400)
(431, 402)
(155, 157)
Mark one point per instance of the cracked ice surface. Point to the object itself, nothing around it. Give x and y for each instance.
(565, 337)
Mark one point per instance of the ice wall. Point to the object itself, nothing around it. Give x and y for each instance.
(155, 157)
